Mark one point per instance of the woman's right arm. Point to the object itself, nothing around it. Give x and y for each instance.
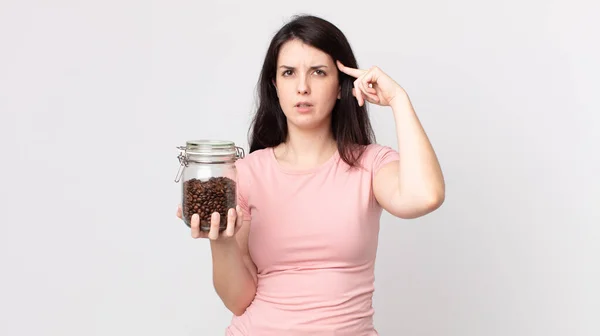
(234, 273)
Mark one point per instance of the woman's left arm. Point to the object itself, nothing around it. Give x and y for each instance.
(413, 186)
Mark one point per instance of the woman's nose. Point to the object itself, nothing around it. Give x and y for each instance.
(303, 86)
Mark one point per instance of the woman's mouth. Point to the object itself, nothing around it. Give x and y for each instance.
(304, 106)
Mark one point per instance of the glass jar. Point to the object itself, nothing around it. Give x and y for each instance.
(209, 177)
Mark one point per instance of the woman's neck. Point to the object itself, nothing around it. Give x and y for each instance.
(305, 149)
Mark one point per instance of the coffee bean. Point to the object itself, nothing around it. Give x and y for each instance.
(217, 194)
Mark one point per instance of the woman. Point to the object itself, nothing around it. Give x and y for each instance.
(298, 254)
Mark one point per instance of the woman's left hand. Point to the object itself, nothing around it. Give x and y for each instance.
(372, 85)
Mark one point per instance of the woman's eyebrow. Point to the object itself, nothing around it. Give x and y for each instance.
(312, 67)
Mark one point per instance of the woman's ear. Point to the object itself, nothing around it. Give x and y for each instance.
(275, 86)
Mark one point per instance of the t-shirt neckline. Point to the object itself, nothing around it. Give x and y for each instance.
(315, 169)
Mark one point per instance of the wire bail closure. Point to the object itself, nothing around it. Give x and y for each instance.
(183, 158)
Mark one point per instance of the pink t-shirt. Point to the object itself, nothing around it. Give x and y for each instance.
(313, 237)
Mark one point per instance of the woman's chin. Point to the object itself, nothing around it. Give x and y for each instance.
(308, 121)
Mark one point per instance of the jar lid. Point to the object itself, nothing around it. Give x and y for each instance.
(210, 147)
(207, 151)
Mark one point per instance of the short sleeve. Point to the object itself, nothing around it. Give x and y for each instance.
(383, 155)
(243, 188)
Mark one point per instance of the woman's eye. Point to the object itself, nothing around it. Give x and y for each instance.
(289, 72)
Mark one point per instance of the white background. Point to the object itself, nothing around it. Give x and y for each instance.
(95, 96)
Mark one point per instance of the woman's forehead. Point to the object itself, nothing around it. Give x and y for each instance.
(296, 53)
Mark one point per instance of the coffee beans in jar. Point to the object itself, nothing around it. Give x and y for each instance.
(217, 194)
(209, 176)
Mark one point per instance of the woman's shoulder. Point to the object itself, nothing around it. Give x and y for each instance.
(374, 155)
(375, 148)
(253, 160)
(249, 168)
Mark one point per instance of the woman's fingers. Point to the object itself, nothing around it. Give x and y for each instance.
(231, 217)
(195, 225)
(349, 71)
(215, 221)
(369, 80)
(179, 213)
(369, 93)
(234, 218)
(366, 83)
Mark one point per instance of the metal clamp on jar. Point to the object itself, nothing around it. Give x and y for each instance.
(208, 174)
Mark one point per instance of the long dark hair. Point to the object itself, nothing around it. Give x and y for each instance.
(350, 122)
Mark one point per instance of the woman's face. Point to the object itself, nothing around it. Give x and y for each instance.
(307, 85)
